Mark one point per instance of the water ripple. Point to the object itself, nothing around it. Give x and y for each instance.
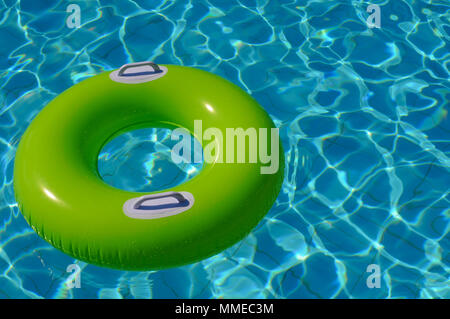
(363, 116)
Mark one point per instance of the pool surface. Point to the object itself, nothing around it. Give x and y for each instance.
(363, 116)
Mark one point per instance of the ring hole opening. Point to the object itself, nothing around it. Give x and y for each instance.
(141, 161)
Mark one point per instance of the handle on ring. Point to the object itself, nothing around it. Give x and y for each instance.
(158, 205)
(128, 66)
(181, 202)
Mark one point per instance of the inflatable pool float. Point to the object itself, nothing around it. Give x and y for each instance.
(63, 198)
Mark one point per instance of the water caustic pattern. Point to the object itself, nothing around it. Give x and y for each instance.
(363, 117)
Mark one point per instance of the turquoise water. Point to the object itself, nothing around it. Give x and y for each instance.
(363, 117)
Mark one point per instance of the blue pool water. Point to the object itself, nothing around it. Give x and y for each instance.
(363, 117)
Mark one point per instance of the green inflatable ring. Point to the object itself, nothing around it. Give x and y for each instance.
(63, 198)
